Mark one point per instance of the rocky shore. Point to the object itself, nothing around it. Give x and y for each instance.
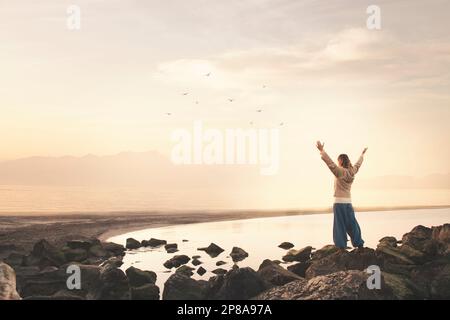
(414, 267)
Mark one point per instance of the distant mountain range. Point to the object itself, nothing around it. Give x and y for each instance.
(142, 169)
(155, 171)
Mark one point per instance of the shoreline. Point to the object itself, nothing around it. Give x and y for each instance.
(123, 230)
(18, 233)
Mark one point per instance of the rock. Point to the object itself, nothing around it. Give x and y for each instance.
(418, 244)
(201, 271)
(237, 254)
(393, 255)
(99, 251)
(15, 259)
(299, 268)
(7, 283)
(44, 283)
(154, 243)
(171, 246)
(219, 271)
(44, 254)
(441, 233)
(402, 288)
(433, 277)
(389, 241)
(286, 245)
(145, 292)
(113, 285)
(132, 244)
(341, 260)
(301, 255)
(114, 248)
(212, 250)
(196, 262)
(220, 263)
(172, 250)
(114, 262)
(185, 240)
(138, 278)
(324, 251)
(181, 287)
(82, 244)
(196, 257)
(186, 270)
(176, 261)
(342, 285)
(275, 274)
(76, 255)
(237, 284)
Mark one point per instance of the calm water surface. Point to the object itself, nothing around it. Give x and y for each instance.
(260, 237)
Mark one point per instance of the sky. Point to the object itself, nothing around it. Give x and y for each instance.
(312, 65)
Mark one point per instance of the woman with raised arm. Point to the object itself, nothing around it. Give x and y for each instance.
(344, 215)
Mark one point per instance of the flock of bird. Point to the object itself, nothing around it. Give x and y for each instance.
(229, 100)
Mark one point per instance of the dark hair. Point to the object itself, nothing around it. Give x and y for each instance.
(343, 158)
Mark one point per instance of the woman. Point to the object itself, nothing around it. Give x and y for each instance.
(344, 215)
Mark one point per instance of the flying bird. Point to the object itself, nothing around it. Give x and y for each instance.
(231, 100)
(208, 74)
(259, 110)
(185, 93)
(282, 123)
(168, 114)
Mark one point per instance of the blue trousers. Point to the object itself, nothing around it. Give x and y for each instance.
(345, 223)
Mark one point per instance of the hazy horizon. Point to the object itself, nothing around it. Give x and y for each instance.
(137, 71)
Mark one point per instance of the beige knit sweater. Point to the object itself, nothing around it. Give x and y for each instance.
(344, 177)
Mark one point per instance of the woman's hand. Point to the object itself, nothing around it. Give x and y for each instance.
(364, 151)
(320, 146)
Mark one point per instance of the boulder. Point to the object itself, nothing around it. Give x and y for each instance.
(138, 278)
(433, 277)
(237, 284)
(182, 287)
(342, 285)
(82, 244)
(299, 268)
(132, 244)
(275, 274)
(75, 255)
(145, 292)
(114, 248)
(113, 285)
(212, 250)
(99, 251)
(219, 271)
(237, 254)
(341, 260)
(196, 262)
(154, 243)
(201, 271)
(176, 261)
(44, 254)
(301, 255)
(324, 251)
(15, 259)
(7, 283)
(186, 270)
(286, 245)
(113, 262)
(390, 241)
(220, 263)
